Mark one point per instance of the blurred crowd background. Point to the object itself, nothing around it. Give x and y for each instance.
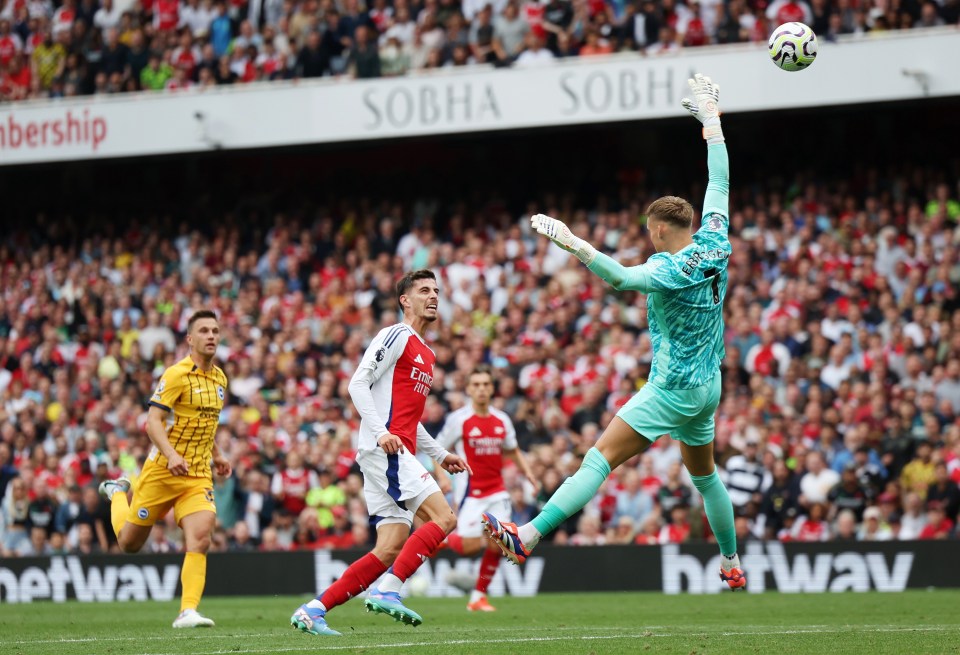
(57, 48)
(839, 418)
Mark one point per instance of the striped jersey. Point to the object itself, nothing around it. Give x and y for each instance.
(196, 399)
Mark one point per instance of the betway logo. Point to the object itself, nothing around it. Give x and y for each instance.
(109, 583)
(843, 571)
(512, 580)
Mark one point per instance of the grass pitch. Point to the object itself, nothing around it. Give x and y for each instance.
(872, 623)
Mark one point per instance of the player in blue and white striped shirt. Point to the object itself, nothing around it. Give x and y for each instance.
(685, 283)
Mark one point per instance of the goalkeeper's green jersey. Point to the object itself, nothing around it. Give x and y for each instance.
(685, 290)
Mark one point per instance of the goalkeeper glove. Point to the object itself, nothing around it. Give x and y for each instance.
(704, 107)
(560, 234)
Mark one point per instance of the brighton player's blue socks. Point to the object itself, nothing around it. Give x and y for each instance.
(716, 502)
(573, 494)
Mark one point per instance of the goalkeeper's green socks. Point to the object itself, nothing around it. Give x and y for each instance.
(573, 494)
(719, 509)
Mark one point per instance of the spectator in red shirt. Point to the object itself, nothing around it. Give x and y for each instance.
(166, 15)
(944, 490)
(290, 486)
(594, 45)
(813, 526)
(341, 534)
(649, 531)
(693, 29)
(15, 80)
(939, 526)
(677, 531)
(788, 11)
(186, 55)
(10, 43)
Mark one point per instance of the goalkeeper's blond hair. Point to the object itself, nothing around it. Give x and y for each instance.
(673, 210)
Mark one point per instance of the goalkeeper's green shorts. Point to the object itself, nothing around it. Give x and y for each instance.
(685, 414)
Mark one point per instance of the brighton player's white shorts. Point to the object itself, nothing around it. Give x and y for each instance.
(394, 486)
(468, 516)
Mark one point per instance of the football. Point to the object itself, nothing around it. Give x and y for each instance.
(418, 586)
(793, 47)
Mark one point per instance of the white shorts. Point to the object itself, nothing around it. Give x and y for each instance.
(394, 486)
(468, 516)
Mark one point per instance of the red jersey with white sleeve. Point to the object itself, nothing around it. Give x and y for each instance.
(480, 440)
(166, 15)
(295, 484)
(10, 45)
(390, 390)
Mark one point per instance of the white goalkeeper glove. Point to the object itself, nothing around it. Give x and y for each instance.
(560, 234)
(704, 107)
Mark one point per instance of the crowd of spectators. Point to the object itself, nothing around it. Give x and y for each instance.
(56, 48)
(840, 416)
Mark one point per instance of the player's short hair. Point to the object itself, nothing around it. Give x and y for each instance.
(673, 210)
(197, 315)
(481, 369)
(406, 282)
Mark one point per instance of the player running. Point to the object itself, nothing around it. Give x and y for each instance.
(177, 471)
(482, 435)
(390, 390)
(685, 283)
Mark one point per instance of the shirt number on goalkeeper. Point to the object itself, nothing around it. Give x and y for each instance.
(715, 274)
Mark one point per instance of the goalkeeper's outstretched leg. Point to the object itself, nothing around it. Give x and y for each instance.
(685, 283)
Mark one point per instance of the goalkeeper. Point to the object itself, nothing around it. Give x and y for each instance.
(685, 282)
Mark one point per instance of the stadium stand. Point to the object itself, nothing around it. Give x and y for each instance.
(840, 412)
(68, 48)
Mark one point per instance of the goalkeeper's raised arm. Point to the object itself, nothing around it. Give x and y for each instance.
(669, 218)
(704, 108)
(685, 283)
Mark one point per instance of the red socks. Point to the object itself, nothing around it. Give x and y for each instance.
(488, 568)
(355, 579)
(420, 545)
(455, 541)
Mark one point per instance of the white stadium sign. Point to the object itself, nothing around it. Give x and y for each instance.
(912, 65)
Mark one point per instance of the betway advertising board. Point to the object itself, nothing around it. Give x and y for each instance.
(912, 64)
(672, 569)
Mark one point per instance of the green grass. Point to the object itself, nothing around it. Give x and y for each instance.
(873, 623)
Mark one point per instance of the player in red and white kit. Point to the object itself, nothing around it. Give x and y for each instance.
(291, 485)
(482, 435)
(389, 391)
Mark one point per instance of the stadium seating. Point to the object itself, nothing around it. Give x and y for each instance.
(839, 418)
(69, 48)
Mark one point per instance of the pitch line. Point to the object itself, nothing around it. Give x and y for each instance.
(468, 642)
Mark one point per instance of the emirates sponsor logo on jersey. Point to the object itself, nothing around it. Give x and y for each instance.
(423, 380)
(421, 376)
(484, 445)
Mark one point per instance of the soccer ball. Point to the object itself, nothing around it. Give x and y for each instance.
(793, 46)
(418, 586)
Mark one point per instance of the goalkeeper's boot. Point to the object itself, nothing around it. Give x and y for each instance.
(388, 602)
(311, 620)
(110, 487)
(192, 619)
(732, 573)
(506, 537)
